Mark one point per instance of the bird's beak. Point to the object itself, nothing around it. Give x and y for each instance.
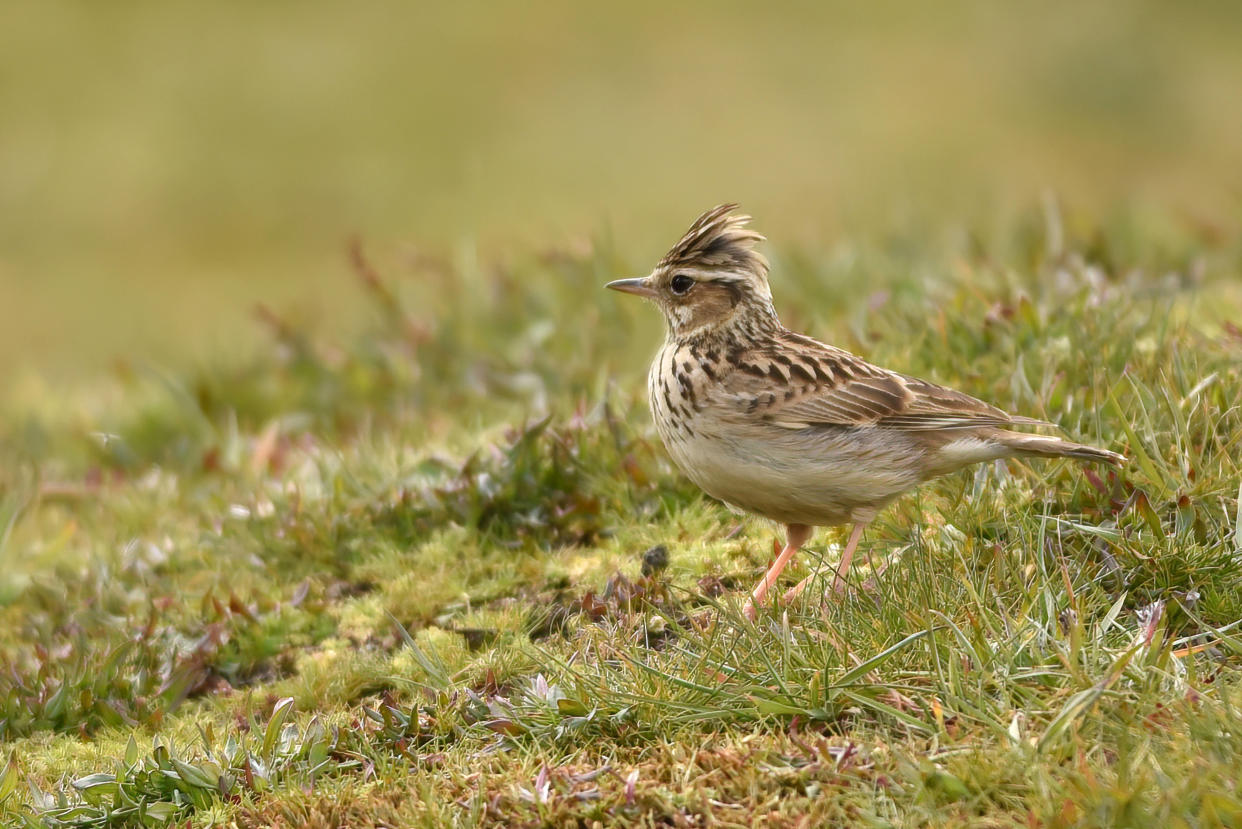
(639, 285)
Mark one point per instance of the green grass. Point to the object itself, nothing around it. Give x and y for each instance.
(394, 577)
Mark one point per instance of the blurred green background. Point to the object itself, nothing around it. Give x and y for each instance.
(166, 165)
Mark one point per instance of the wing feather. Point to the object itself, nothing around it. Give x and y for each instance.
(846, 390)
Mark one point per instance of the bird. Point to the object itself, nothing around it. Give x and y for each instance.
(780, 425)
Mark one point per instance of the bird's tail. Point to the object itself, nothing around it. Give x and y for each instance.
(1047, 446)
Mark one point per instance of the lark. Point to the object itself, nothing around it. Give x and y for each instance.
(783, 426)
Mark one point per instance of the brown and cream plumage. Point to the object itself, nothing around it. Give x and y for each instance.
(789, 428)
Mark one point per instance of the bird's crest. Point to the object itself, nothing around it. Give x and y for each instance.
(718, 241)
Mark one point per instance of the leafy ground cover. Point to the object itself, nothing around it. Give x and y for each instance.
(440, 571)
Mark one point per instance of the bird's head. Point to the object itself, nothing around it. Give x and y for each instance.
(711, 280)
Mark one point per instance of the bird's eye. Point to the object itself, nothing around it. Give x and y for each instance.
(681, 284)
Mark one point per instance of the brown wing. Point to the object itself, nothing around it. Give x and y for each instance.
(798, 383)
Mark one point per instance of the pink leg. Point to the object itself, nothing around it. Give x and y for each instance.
(795, 536)
(842, 569)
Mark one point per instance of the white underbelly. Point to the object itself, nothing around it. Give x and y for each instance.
(818, 478)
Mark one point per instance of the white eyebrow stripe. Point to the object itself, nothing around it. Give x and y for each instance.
(704, 275)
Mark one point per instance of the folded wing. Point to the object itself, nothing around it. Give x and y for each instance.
(825, 386)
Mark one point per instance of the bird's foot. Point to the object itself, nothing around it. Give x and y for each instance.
(840, 587)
